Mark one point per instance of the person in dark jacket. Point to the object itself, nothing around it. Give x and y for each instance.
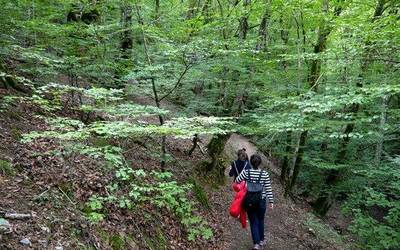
(241, 163)
(257, 214)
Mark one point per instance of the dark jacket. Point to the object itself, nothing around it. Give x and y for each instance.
(239, 166)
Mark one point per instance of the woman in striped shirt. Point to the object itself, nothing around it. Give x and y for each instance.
(257, 215)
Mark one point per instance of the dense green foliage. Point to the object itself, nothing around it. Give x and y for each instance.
(316, 83)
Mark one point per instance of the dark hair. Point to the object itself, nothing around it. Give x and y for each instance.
(242, 155)
(255, 161)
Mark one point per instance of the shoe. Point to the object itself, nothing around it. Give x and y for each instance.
(262, 243)
(256, 247)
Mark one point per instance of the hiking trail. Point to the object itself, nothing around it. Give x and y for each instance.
(285, 229)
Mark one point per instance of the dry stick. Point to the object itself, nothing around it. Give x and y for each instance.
(74, 204)
(17, 216)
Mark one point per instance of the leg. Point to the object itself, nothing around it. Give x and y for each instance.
(261, 216)
(254, 226)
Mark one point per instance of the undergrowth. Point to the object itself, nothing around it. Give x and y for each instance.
(324, 232)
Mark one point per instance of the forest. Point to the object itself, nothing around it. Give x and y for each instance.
(119, 120)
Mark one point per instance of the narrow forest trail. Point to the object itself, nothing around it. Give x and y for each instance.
(285, 227)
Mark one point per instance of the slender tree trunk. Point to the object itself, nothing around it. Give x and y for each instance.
(297, 159)
(285, 170)
(157, 15)
(263, 30)
(195, 141)
(243, 21)
(382, 122)
(126, 21)
(154, 88)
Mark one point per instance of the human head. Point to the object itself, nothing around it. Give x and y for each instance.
(242, 155)
(255, 161)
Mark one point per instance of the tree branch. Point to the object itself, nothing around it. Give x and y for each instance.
(187, 67)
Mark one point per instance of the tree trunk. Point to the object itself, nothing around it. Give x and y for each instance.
(154, 88)
(382, 122)
(299, 151)
(320, 46)
(126, 21)
(161, 120)
(195, 141)
(285, 170)
(157, 16)
(215, 149)
(263, 30)
(243, 22)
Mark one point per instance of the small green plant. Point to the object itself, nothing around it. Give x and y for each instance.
(94, 209)
(157, 189)
(158, 241)
(117, 242)
(16, 133)
(6, 168)
(200, 194)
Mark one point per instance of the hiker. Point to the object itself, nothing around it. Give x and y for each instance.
(255, 201)
(237, 167)
(241, 163)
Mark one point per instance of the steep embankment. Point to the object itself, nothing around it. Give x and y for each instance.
(289, 225)
(50, 193)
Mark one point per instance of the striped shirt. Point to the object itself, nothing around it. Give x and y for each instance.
(265, 180)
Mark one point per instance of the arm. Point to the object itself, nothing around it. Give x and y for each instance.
(241, 177)
(232, 170)
(268, 189)
(248, 166)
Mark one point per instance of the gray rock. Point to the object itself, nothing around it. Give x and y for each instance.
(45, 229)
(5, 226)
(43, 242)
(25, 242)
(59, 246)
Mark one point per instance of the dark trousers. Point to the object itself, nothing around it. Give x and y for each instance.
(256, 218)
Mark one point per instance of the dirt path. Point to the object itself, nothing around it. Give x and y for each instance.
(285, 229)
